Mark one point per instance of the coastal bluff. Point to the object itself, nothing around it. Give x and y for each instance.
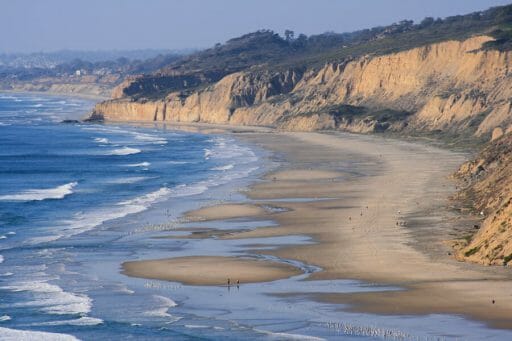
(446, 90)
(451, 86)
(487, 189)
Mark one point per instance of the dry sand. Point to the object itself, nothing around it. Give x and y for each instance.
(368, 230)
(210, 270)
(225, 211)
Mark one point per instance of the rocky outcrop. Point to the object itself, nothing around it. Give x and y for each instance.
(450, 86)
(488, 190)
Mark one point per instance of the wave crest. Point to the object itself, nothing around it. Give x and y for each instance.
(103, 140)
(223, 168)
(124, 151)
(58, 192)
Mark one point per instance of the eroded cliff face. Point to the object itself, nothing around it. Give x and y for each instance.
(488, 190)
(449, 86)
(452, 87)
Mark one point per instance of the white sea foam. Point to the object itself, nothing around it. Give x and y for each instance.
(124, 151)
(8, 334)
(196, 326)
(226, 149)
(288, 336)
(128, 180)
(101, 140)
(1, 259)
(207, 153)
(83, 222)
(43, 239)
(178, 162)
(141, 203)
(41, 194)
(164, 304)
(39, 105)
(231, 153)
(142, 164)
(3, 237)
(223, 168)
(97, 128)
(5, 318)
(124, 290)
(11, 233)
(149, 138)
(188, 190)
(82, 321)
(6, 274)
(50, 298)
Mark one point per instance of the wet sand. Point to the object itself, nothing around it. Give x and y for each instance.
(377, 190)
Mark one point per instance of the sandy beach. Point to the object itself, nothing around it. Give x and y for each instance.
(211, 270)
(377, 211)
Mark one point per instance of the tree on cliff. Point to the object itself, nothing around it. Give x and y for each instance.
(289, 35)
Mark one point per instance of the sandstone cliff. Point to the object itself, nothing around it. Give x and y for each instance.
(453, 87)
(87, 88)
(450, 86)
(488, 190)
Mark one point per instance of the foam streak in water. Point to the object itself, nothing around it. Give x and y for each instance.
(223, 168)
(88, 221)
(50, 298)
(142, 164)
(124, 151)
(41, 194)
(101, 140)
(20, 335)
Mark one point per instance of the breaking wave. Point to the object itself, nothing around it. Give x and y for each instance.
(41, 194)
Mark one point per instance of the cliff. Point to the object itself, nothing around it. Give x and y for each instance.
(86, 86)
(97, 91)
(488, 191)
(451, 86)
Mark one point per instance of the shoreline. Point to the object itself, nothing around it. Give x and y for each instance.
(395, 180)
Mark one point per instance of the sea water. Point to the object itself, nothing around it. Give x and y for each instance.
(77, 200)
(70, 193)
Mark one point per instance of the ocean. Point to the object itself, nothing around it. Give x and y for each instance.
(75, 203)
(77, 200)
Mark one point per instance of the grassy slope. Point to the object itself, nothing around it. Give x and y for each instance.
(267, 51)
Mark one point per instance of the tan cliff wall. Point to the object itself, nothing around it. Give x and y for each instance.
(452, 86)
(93, 90)
(488, 190)
(449, 85)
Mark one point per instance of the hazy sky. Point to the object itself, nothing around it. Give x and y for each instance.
(45, 25)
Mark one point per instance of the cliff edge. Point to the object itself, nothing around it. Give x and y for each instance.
(488, 191)
(453, 86)
(444, 78)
